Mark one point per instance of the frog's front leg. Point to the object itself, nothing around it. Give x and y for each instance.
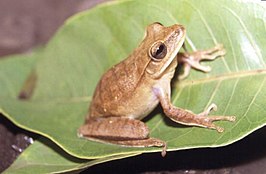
(192, 60)
(121, 131)
(187, 117)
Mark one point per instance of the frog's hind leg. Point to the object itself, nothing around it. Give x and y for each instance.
(120, 130)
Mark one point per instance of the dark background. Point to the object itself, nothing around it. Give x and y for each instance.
(29, 23)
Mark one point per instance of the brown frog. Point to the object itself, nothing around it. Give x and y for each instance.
(130, 90)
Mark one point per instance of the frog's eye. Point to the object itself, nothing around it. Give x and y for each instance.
(158, 51)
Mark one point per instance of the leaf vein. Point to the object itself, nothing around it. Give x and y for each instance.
(231, 46)
(227, 76)
(231, 96)
(253, 43)
(210, 32)
(213, 94)
(255, 96)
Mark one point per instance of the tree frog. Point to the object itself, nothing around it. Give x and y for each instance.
(130, 90)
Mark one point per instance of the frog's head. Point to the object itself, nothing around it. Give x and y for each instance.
(163, 45)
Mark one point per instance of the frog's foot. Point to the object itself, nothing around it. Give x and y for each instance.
(149, 142)
(204, 121)
(192, 60)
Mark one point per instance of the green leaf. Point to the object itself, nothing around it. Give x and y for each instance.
(91, 42)
(13, 72)
(42, 156)
(45, 157)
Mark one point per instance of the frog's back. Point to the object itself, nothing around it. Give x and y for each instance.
(117, 87)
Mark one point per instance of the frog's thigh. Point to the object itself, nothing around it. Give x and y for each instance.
(119, 130)
(114, 128)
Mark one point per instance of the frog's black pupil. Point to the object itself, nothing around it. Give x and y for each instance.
(159, 50)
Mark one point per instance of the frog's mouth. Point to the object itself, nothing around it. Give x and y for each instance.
(171, 56)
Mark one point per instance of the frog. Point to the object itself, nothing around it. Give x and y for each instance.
(130, 90)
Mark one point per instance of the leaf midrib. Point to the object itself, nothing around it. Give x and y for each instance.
(228, 76)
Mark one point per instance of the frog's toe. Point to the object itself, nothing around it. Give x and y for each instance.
(212, 107)
(219, 129)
